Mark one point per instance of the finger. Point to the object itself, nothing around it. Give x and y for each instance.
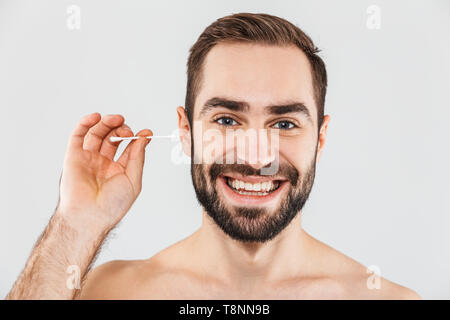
(78, 134)
(94, 137)
(123, 159)
(133, 158)
(108, 148)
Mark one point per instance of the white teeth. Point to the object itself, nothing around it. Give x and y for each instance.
(262, 188)
(252, 193)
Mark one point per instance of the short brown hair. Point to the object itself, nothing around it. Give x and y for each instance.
(260, 28)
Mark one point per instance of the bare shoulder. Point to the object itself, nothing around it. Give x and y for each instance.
(111, 280)
(362, 283)
(133, 279)
(352, 280)
(393, 291)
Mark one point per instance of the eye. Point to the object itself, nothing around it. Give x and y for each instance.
(284, 125)
(226, 121)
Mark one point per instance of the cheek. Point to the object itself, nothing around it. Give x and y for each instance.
(297, 151)
(209, 145)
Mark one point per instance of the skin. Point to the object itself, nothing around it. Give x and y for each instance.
(208, 264)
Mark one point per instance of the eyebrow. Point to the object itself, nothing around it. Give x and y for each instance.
(215, 102)
(296, 107)
(242, 106)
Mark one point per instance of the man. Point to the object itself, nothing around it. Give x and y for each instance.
(246, 73)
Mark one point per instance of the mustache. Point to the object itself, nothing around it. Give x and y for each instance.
(285, 170)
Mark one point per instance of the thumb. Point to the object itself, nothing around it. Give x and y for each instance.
(136, 158)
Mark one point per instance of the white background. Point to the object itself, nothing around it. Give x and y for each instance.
(382, 191)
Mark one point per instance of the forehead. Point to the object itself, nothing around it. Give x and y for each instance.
(258, 74)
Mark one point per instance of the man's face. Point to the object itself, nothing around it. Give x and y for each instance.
(246, 88)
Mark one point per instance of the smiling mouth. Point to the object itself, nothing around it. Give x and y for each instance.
(253, 189)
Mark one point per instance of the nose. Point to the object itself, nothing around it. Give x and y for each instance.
(258, 149)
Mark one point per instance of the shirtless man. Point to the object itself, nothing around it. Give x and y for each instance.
(249, 72)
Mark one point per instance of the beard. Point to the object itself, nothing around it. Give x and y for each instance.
(251, 224)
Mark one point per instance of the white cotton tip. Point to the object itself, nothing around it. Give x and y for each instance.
(115, 139)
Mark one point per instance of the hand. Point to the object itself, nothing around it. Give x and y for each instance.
(95, 190)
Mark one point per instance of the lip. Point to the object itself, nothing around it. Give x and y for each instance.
(246, 200)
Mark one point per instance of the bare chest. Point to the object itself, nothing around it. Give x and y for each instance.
(182, 289)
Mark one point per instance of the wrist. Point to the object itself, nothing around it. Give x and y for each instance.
(86, 224)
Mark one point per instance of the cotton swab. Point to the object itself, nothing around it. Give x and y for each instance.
(115, 139)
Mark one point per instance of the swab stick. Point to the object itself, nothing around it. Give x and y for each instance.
(115, 139)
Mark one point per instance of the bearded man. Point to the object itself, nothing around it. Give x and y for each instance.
(248, 75)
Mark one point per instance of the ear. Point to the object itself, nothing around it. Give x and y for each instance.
(322, 136)
(185, 130)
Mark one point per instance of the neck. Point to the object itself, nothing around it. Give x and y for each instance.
(280, 258)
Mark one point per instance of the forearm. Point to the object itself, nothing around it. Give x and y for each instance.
(63, 251)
